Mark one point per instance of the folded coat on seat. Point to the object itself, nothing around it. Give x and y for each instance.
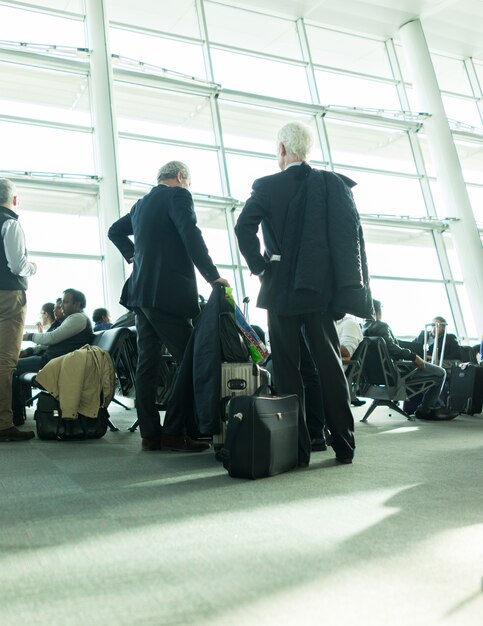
(82, 381)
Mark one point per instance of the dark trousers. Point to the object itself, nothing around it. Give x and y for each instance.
(314, 408)
(21, 393)
(155, 329)
(322, 340)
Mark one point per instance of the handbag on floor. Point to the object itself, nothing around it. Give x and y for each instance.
(261, 436)
(51, 425)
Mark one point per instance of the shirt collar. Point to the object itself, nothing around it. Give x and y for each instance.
(292, 164)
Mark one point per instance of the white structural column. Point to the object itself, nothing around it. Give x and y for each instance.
(464, 231)
(105, 149)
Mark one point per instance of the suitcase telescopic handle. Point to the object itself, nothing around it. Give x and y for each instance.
(265, 390)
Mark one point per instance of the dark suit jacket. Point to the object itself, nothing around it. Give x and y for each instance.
(308, 217)
(167, 245)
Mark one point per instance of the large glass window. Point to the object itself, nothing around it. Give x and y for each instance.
(402, 252)
(462, 110)
(56, 274)
(23, 94)
(255, 128)
(252, 287)
(256, 75)
(386, 195)
(178, 17)
(349, 91)
(34, 148)
(370, 146)
(176, 56)
(36, 27)
(451, 74)
(471, 158)
(398, 298)
(212, 222)
(72, 6)
(140, 161)
(163, 113)
(243, 170)
(253, 31)
(53, 232)
(348, 52)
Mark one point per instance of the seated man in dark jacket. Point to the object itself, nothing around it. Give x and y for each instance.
(74, 332)
(451, 347)
(430, 406)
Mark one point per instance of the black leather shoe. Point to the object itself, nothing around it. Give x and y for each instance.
(357, 402)
(423, 414)
(182, 443)
(444, 414)
(441, 414)
(343, 461)
(318, 445)
(150, 444)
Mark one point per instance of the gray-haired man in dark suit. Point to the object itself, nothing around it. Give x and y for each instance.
(163, 293)
(312, 272)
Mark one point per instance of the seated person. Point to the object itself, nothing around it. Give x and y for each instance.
(46, 317)
(430, 406)
(102, 320)
(451, 349)
(57, 319)
(58, 314)
(350, 336)
(73, 333)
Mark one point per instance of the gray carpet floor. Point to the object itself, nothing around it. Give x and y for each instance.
(101, 533)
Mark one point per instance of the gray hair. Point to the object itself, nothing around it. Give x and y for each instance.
(7, 191)
(171, 170)
(297, 139)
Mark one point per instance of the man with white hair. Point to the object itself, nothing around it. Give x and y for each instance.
(312, 272)
(162, 292)
(14, 270)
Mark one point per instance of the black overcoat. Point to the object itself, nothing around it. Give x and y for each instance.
(308, 219)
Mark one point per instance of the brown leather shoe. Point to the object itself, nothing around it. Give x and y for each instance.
(149, 444)
(182, 443)
(14, 434)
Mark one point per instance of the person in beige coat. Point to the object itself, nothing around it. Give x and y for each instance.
(82, 381)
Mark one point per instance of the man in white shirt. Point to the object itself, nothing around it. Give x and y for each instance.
(350, 336)
(14, 270)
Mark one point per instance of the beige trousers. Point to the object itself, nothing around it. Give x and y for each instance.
(12, 319)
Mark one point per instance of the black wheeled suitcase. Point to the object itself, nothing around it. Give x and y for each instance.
(261, 436)
(466, 388)
(237, 379)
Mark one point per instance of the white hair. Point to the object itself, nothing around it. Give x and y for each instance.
(171, 170)
(297, 139)
(7, 191)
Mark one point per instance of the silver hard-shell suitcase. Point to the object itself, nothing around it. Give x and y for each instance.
(237, 379)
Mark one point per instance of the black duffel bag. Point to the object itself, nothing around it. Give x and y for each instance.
(261, 436)
(51, 425)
